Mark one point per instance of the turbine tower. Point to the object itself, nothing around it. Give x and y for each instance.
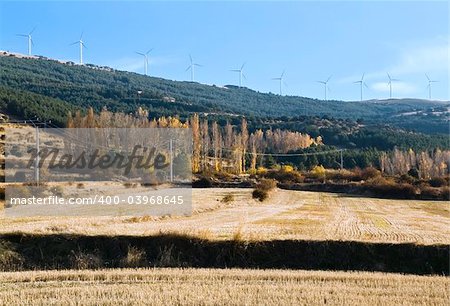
(145, 55)
(390, 84)
(192, 67)
(325, 85)
(361, 84)
(429, 85)
(82, 45)
(241, 74)
(281, 80)
(29, 38)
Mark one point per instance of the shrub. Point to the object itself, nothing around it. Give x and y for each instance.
(406, 178)
(414, 173)
(261, 171)
(287, 168)
(266, 184)
(260, 194)
(228, 198)
(318, 172)
(284, 176)
(82, 261)
(388, 188)
(129, 185)
(430, 193)
(203, 182)
(345, 175)
(80, 185)
(134, 258)
(261, 191)
(438, 182)
(370, 172)
(9, 258)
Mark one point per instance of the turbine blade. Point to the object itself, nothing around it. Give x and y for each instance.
(32, 30)
(84, 46)
(362, 78)
(189, 67)
(244, 76)
(149, 51)
(365, 84)
(77, 42)
(328, 78)
(32, 42)
(190, 57)
(23, 35)
(140, 53)
(81, 36)
(235, 70)
(198, 65)
(389, 76)
(427, 77)
(242, 67)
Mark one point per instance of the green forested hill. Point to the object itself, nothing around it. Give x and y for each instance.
(48, 89)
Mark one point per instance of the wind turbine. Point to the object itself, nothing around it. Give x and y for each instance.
(30, 39)
(429, 85)
(325, 85)
(241, 74)
(192, 67)
(145, 55)
(390, 84)
(82, 45)
(281, 80)
(361, 83)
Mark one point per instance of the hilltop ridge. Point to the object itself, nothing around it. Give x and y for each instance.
(62, 86)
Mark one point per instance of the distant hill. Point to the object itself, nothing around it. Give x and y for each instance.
(49, 89)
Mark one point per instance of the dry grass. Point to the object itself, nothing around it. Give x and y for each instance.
(286, 215)
(220, 287)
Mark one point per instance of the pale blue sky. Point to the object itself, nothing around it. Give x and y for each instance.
(310, 40)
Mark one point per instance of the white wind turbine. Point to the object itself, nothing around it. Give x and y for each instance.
(429, 85)
(241, 73)
(192, 67)
(29, 38)
(281, 80)
(82, 45)
(390, 84)
(361, 84)
(325, 85)
(145, 55)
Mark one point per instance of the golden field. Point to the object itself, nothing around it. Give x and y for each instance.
(219, 287)
(286, 214)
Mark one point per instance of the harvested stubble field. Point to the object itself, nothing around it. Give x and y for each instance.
(219, 287)
(287, 215)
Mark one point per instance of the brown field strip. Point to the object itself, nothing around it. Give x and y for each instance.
(219, 287)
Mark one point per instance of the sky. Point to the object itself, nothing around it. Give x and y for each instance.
(309, 40)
